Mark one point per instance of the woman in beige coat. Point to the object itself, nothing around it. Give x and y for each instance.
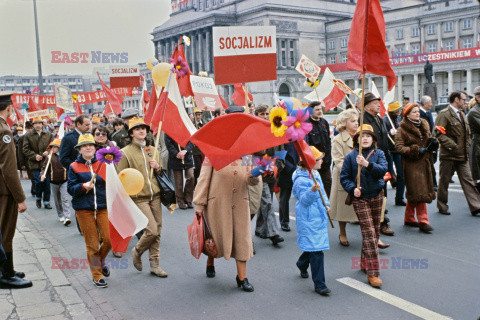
(347, 125)
(223, 197)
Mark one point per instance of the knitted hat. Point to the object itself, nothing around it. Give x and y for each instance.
(409, 108)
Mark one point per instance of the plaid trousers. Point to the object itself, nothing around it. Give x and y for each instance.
(369, 212)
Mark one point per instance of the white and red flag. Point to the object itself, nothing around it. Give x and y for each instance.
(327, 91)
(125, 218)
(144, 98)
(171, 112)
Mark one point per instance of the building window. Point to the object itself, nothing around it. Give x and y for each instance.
(222, 1)
(467, 43)
(283, 53)
(332, 59)
(415, 48)
(448, 45)
(399, 34)
(432, 29)
(207, 3)
(448, 26)
(291, 53)
(400, 51)
(415, 31)
(331, 44)
(284, 90)
(467, 24)
(344, 43)
(432, 47)
(344, 58)
(386, 35)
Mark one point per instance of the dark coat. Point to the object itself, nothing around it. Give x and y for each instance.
(371, 177)
(284, 177)
(35, 144)
(320, 138)
(417, 169)
(455, 144)
(68, 152)
(429, 117)
(56, 171)
(380, 131)
(78, 174)
(474, 122)
(173, 149)
(396, 122)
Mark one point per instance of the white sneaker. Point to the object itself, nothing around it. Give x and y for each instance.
(67, 222)
(62, 219)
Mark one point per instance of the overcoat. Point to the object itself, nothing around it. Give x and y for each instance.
(341, 146)
(223, 196)
(455, 143)
(474, 122)
(417, 169)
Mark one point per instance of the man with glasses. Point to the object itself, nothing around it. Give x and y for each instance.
(474, 122)
(455, 142)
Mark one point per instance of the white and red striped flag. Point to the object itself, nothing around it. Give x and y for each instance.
(144, 98)
(171, 111)
(383, 110)
(327, 91)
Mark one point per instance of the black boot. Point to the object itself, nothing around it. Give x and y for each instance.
(9, 279)
(246, 286)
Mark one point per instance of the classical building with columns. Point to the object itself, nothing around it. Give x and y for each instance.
(447, 32)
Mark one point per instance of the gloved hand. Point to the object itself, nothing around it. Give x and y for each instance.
(422, 151)
(432, 145)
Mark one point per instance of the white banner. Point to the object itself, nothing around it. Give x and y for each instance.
(234, 41)
(205, 92)
(63, 97)
(124, 71)
(308, 68)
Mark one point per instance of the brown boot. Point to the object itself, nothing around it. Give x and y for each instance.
(375, 281)
(137, 259)
(156, 270)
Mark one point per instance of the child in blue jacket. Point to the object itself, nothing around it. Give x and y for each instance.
(312, 222)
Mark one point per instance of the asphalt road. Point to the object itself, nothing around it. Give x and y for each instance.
(444, 280)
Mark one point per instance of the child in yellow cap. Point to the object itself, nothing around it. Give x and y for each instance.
(312, 221)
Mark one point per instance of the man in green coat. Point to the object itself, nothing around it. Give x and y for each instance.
(455, 140)
(35, 146)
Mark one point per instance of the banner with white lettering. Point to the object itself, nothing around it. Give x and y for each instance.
(124, 76)
(205, 93)
(244, 54)
(40, 113)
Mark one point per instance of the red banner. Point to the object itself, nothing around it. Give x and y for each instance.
(82, 97)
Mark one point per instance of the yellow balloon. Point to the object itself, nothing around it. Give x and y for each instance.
(160, 74)
(151, 63)
(132, 181)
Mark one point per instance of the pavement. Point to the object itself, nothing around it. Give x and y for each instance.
(431, 276)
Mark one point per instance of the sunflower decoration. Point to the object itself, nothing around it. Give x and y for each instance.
(312, 84)
(277, 115)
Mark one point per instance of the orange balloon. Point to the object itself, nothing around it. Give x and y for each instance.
(132, 181)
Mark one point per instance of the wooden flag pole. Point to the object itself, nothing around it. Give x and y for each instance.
(362, 112)
(160, 123)
(323, 200)
(48, 164)
(246, 97)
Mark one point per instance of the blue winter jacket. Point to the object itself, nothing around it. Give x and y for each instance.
(311, 215)
(371, 178)
(78, 174)
(68, 152)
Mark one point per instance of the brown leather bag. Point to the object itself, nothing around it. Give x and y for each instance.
(209, 247)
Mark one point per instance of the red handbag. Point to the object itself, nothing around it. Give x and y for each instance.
(195, 236)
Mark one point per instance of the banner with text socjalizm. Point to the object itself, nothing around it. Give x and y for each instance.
(244, 54)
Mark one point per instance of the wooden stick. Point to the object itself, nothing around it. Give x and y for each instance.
(323, 200)
(246, 97)
(48, 163)
(362, 113)
(348, 99)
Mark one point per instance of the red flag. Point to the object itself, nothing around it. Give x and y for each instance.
(152, 104)
(367, 52)
(78, 109)
(224, 103)
(171, 111)
(32, 105)
(18, 114)
(238, 96)
(114, 100)
(9, 122)
(305, 153)
(36, 90)
(183, 82)
(145, 98)
(229, 137)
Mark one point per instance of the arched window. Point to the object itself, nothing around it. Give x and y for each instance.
(284, 90)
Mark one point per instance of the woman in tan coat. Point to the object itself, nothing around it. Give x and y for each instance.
(347, 125)
(223, 197)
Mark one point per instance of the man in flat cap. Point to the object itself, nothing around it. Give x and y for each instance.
(122, 138)
(12, 198)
